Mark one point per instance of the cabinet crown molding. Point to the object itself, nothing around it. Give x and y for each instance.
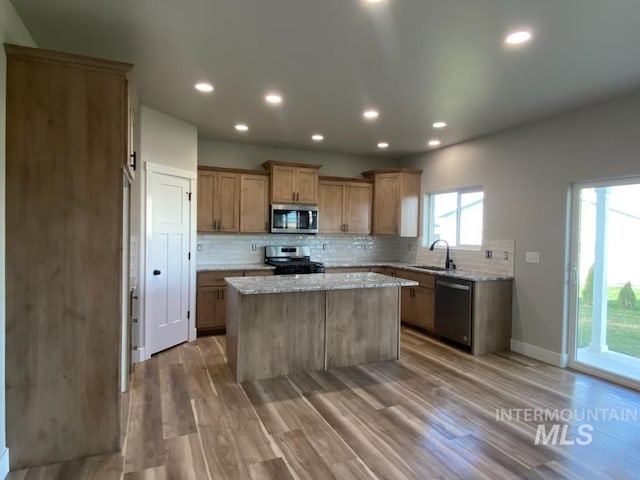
(268, 164)
(67, 59)
(345, 179)
(205, 168)
(371, 173)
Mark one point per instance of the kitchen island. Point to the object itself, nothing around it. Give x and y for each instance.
(289, 324)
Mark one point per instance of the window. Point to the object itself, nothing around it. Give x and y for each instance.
(456, 217)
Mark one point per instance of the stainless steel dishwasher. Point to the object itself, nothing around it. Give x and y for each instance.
(453, 309)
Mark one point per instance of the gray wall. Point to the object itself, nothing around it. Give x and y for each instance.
(527, 173)
(12, 30)
(238, 155)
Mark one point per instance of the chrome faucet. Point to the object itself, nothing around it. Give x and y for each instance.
(447, 263)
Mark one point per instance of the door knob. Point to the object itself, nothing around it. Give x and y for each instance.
(157, 272)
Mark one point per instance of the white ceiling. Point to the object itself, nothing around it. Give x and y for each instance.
(417, 61)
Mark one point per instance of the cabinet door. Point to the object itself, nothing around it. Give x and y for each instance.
(330, 207)
(358, 208)
(207, 314)
(206, 189)
(227, 202)
(307, 186)
(283, 184)
(254, 204)
(406, 304)
(386, 213)
(423, 313)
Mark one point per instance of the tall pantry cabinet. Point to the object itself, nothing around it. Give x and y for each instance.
(67, 150)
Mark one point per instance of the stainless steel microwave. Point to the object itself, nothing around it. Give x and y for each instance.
(294, 219)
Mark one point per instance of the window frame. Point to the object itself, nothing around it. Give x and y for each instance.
(429, 231)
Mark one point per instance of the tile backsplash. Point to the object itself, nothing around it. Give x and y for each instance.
(230, 249)
(220, 249)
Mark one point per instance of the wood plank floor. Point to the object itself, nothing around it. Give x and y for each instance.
(431, 415)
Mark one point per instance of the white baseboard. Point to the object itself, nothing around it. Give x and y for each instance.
(4, 463)
(542, 354)
(138, 355)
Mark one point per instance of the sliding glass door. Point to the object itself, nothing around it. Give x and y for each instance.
(605, 293)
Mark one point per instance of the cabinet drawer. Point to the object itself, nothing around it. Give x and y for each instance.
(424, 279)
(212, 279)
(258, 273)
(384, 271)
(347, 269)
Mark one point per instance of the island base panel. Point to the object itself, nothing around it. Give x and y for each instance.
(362, 326)
(276, 334)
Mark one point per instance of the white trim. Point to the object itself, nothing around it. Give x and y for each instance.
(539, 353)
(174, 172)
(4, 463)
(138, 355)
(193, 240)
(610, 377)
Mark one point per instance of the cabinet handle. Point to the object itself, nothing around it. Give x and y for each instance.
(298, 197)
(222, 292)
(217, 294)
(293, 196)
(346, 227)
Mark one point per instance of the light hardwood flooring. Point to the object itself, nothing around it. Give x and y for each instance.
(430, 415)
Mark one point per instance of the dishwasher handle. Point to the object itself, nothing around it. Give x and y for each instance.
(457, 286)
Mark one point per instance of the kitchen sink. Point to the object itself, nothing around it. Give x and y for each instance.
(431, 267)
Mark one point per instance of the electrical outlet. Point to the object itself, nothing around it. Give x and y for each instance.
(488, 254)
(254, 247)
(199, 247)
(325, 246)
(409, 247)
(532, 257)
(505, 255)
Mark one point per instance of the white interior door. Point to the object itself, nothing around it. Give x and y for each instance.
(168, 262)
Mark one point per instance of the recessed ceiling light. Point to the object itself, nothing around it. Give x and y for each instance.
(517, 38)
(317, 137)
(204, 87)
(373, 1)
(434, 143)
(273, 98)
(241, 127)
(371, 114)
(383, 145)
(439, 124)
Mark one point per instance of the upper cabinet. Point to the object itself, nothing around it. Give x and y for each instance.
(218, 201)
(254, 203)
(396, 204)
(345, 206)
(293, 183)
(232, 201)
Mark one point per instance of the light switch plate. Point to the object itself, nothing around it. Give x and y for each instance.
(199, 247)
(532, 257)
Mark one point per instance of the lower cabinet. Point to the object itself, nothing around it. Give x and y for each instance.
(211, 299)
(211, 308)
(417, 307)
(417, 303)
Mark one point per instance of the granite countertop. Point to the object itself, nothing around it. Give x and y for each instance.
(214, 267)
(461, 274)
(315, 282)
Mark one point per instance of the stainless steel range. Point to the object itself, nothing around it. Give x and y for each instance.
(292, 260)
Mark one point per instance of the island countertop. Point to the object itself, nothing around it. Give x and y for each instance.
(315, 282)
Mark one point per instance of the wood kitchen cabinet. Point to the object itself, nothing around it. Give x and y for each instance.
(293, 183)
(211, 299)
(254, 203)
(417, 307)
(396, 201)
(417, 303)
(345, 206)
(67, 150)
(218, 201)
